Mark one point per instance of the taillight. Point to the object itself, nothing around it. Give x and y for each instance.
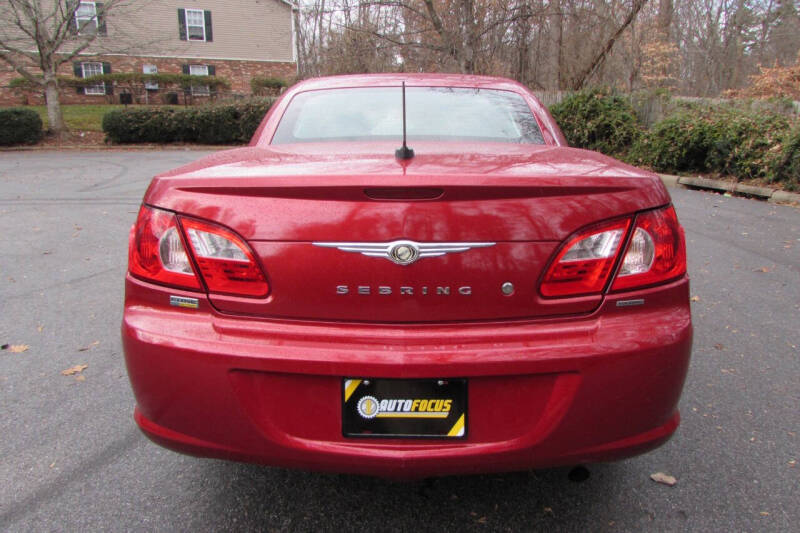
(584, 264)
(226, 263)
(156, 252)
(656, 252)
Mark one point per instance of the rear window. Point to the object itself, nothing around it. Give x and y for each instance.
(432, 114)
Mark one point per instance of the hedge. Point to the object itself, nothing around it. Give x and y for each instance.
(744, 139)
(597, 119)
(263, 85)
(722, 140)
(785, 166)
(20, 126)
(219, 124)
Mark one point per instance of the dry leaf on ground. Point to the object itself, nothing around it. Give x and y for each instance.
(661, 477)
(74, 370)
(695, 298)
(18, 348)
(92, 345)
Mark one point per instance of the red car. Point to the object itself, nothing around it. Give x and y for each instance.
(407, 276)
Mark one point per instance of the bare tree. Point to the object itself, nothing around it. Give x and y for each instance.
(697, 47)
(601, 54)
(38, 36)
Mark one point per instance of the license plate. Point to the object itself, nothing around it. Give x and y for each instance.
(407, 408)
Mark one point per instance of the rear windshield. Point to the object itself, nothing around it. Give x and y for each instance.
(432, 114)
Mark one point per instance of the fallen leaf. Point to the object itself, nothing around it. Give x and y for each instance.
(793, 463)
(40, 327)
(764, 513)
(74, 370)
(18, 348)
(481, 520)
(665, 479)
(92, 345)
(52, 464)
(549, 510)
(762, 269)
(695, 298)
(719, 346)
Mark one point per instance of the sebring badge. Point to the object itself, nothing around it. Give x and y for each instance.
(404, 252)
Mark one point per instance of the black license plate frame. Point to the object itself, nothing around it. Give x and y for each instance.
(404, 408)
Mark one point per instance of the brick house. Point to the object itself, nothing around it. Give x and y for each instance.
(235, 39)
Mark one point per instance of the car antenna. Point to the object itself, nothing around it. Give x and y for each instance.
(404, 152)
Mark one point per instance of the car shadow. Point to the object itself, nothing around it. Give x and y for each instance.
(273, 499)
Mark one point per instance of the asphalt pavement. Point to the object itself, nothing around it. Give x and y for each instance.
(72, 459)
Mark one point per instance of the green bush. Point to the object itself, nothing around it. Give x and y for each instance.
(719, 140)
(785, 166)
(744, 144)
(263, 85)
(679, 143)
(597, 119)
(20, 126)
(220, 124)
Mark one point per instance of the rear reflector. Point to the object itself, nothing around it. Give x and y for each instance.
(225, 261)
(156, 252)
(584, 264)
(656, 252)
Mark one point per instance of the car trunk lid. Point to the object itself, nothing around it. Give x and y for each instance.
(323, 226)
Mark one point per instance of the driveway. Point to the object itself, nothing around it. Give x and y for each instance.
(72, 459)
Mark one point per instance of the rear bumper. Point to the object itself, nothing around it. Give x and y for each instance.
(541, 394)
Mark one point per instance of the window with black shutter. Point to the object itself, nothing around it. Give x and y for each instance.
(201, 70)
(195, 25)
(93, 68)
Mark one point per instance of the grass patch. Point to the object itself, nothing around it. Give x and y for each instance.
(79, 117)
(83, 117)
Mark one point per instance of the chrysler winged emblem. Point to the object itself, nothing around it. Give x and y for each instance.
(404, 252)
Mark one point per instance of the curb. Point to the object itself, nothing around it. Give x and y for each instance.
(775, 196)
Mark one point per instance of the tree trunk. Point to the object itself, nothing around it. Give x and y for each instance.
(581, 78)
(54, 116)
(664, 18)
(560, 48)
(468, 37)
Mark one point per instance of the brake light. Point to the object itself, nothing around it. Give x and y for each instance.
(656, 252)
(584, 264)
(225, 261)
(156, 252)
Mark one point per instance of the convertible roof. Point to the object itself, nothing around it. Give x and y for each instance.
(411, 79)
